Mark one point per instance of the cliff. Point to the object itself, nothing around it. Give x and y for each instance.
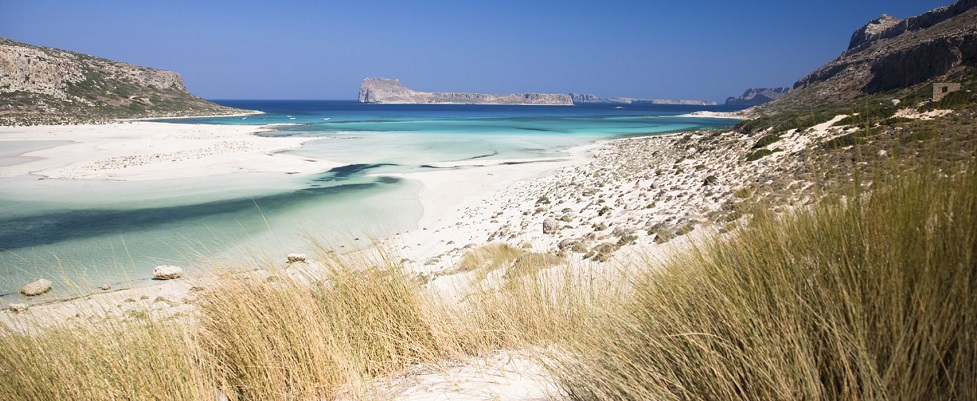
(391, 91)
(40, 85)
(889, 54)
(756, 96)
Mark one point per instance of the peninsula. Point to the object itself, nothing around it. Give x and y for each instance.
(43, 86)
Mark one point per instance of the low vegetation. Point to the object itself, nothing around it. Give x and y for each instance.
(865, 299)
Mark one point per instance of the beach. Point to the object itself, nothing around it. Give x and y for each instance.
(602, 202)
(143, 150)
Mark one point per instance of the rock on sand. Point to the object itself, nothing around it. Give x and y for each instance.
(166, 272)
(36, 288)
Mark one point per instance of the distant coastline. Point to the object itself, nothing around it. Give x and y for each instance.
(392, 91)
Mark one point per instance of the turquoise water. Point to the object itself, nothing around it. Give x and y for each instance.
(90, 232)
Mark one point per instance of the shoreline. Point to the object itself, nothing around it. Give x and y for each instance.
(144, 150)
(474, 203)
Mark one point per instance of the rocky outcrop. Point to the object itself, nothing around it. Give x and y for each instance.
(888, 26)
(583, 98)
(36, 288)
(756, 96)
(45, 85)
(876, 29)
(166, 272)
(391, 91)
(890, 54)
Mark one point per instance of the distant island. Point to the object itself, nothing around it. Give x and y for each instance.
(392, 91)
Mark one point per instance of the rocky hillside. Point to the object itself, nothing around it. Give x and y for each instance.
(756, 96)
(391, 91)
(40, 85)
(889, 54)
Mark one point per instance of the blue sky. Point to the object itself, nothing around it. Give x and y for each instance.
(707, 49)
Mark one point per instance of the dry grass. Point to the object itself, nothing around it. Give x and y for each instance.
(117, 360)
(868, 299)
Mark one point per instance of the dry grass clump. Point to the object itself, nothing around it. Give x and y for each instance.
(284, 339)
(867, 299)
(139, 360)
(503, 257)
(279, 335)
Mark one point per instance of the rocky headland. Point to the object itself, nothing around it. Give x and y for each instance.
(889, 54)
(756, 96)
(391, 91)
(42, 85)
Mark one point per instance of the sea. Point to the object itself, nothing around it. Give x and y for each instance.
(82, 233)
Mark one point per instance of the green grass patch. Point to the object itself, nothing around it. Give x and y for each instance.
(854, 138)
(766, 140)
(759, 154)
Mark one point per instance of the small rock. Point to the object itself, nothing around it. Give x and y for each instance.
(106, 286)
(166, 272)
(567, 243)
(296, 257)
(550, 225)
(18, 308)
(881, 153)
(36, 288)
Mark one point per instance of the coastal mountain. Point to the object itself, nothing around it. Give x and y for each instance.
(756, 96)
(582, 98)
(41, 85)
(391, 91)
(889, 54)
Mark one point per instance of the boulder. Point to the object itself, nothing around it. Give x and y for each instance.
(166, 272)
(36, 288)
(296, 257)
(18, 308)
(550, 226)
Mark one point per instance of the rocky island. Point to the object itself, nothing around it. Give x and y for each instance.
(391, 91)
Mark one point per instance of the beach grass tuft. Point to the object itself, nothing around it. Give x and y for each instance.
(866, 297)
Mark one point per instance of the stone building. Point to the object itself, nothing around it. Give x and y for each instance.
(941, 89)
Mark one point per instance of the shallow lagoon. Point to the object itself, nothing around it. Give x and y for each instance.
(90, 232)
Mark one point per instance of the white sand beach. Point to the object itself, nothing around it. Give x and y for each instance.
(143, 150)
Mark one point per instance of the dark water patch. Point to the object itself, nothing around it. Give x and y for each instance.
(344, 173)
(37, 230)
(494, 153)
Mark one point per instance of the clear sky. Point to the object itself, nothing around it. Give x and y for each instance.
(707, 49)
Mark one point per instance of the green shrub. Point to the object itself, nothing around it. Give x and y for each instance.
(758, 154)
(766, 140)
